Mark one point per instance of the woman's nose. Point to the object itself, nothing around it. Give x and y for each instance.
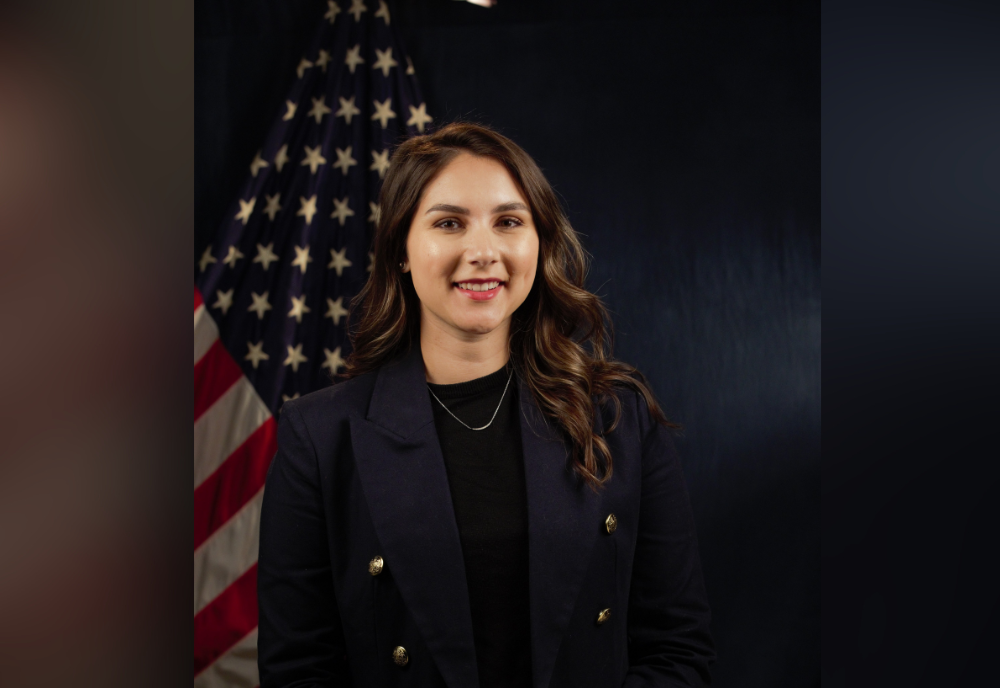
(482, 249)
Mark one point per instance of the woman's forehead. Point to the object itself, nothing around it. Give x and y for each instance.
(472, 182)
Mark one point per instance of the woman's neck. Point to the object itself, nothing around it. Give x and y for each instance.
(450, 359)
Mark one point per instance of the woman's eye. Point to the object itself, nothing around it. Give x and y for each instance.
(510, 222)
(448, 224)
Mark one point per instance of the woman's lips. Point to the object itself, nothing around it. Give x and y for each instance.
(478, 290)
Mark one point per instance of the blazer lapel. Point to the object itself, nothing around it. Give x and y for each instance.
(563, 523)
(403, 475)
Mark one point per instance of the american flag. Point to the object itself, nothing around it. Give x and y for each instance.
(271, 297)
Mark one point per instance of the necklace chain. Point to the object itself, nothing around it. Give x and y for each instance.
(463, 422)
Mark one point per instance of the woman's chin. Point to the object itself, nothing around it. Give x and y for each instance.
(479, 326)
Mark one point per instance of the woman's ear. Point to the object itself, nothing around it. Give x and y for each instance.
(405, 266)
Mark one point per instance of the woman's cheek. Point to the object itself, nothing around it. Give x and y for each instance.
(525, 252)
(529, 259)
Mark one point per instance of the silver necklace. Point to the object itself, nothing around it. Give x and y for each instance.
(460, 420)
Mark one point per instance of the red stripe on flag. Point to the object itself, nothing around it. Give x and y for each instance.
(226, 620)
(235, 482)
(197, 298)
(215, 373)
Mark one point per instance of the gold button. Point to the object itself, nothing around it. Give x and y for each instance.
(603, 616)
(611, 523)
(399, 656)
(375, 566)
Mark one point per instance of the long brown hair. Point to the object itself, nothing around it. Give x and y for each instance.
(560, 337)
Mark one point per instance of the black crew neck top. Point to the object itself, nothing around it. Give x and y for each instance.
(486, 475)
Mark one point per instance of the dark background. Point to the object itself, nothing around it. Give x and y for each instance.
(684, 140)
(911, 337)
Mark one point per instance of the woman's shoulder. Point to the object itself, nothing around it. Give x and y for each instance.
(334, 403)
(626, 400)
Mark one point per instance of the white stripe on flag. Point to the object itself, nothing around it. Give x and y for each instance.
(228, 554)
(225, 426)
(205, 332)
(237, 668)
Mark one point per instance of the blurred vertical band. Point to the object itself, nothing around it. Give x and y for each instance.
(96, 129)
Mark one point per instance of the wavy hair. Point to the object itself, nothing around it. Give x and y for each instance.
(560, 337)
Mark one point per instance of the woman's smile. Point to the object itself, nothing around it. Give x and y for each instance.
(479, 289)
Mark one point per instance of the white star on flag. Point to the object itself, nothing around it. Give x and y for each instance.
(384, 61)
(255, 353)
(223, 300)
(303, 66)
(299, 308)
(313, 158)
(307, 209)
(347, 109)
(333, 9)
(380, 162)
(371, 262)
(259, 305)
(319, 109)
(333, 359)
(344, 159)
(265, 255)
(410, 71)
(375, 212)
(354, 58)
(357, 9)
(335, 309)
(323, 60)
(302, 258)
(281, 158)
(383, 11)
(383, 112)
(292, 107)
(295, 357)
(273, 208)
(342, 211)
(419, 117)
(285, 397)
(206, 259)
(234, 255)
(339, 261)
(246, 207)
(257, 164)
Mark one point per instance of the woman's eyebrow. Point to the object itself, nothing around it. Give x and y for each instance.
(459, 210)
(507, 207)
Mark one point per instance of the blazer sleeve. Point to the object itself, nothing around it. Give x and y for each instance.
(668, 614)
(300, 637)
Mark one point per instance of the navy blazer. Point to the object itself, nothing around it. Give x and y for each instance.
(359, 474)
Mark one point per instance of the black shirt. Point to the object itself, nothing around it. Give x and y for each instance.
(486, 474)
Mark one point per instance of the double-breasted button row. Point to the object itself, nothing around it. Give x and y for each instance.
(400, 657)
(611, 525)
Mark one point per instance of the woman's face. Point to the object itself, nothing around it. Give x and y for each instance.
(472, 249)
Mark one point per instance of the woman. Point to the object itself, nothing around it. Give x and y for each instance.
(488, 499)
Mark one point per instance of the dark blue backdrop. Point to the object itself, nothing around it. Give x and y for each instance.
(684, 140)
